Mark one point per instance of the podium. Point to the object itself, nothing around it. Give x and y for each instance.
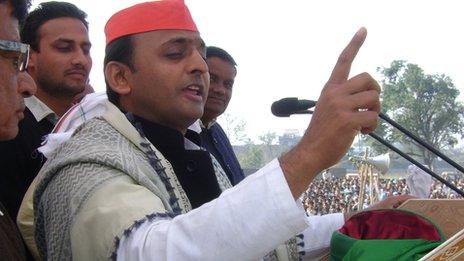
(448, 214)
(451, 249)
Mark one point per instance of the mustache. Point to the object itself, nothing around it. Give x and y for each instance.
(216, 97)
(197, 81)
(80, 69)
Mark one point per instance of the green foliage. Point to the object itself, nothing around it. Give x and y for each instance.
(424, 104)
(235, 129)
(268, 138)
(253, 159)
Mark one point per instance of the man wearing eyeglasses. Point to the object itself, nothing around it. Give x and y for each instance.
(59, 63)
(14, 57)
(15, 84)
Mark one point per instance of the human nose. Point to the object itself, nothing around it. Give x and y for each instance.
(197, 64)
(83, 58)
(218, 88)
(26, 85)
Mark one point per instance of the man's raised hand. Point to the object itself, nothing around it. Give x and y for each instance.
(346, 106)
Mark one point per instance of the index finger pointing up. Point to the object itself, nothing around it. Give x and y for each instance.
(342, 69)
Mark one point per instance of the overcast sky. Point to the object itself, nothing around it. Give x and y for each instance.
(288, 48)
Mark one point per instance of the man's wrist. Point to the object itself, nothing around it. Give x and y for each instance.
(299, 168)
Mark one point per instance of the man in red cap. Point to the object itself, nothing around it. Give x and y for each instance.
(129, 185)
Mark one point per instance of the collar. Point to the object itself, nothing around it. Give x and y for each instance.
(196, 126)
(211, 123)
(40, 110)
(167, 140)
(194, 168)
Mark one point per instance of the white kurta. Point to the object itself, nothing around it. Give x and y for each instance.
(244, 223)
(213, 232)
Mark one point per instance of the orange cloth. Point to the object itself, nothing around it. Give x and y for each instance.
(149, 16)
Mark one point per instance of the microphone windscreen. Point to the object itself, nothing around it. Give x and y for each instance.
(291, 105)
(284, 107)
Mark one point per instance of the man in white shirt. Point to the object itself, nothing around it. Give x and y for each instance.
(131, 187)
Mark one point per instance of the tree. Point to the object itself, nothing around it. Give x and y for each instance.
(235, 129)
(253, 159)
(424, 104)
(268, 138)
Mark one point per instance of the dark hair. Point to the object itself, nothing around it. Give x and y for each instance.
(213, 51)
(119, 50)
(19, 8)
(45, 12)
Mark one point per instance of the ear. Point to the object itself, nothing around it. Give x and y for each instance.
(118, 76)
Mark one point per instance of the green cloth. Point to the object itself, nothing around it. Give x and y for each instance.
(343, 247)
(348, 248)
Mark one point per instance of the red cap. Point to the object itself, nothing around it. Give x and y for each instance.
(149, 16)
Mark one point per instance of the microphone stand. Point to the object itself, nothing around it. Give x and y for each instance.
(415, 162)
(421, 142)
(407, 157)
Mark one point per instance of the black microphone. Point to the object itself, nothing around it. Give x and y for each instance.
(291, 105)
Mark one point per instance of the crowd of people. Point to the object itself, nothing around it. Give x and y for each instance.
(440, 190)
(333, 195)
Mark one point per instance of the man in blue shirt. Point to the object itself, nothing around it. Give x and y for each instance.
(222, 70)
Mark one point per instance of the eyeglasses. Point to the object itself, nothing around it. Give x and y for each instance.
(17, 51)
